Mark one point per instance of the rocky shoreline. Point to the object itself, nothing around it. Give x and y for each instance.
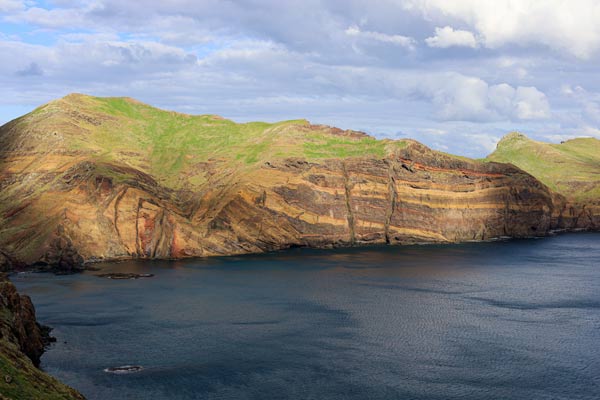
(22, 343)
(89, 265)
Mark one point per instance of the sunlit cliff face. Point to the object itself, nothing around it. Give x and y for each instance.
(86, 178)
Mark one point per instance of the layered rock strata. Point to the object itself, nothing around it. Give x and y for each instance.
(63, 204)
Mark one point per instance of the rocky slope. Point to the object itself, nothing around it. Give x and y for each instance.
(85, 178)
(21, 345)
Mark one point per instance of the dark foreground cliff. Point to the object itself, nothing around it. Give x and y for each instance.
(21, 345)
(85, 179)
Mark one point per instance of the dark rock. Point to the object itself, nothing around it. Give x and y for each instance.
(22, 342)
(125, 369)
(124, 275)
(25, 328)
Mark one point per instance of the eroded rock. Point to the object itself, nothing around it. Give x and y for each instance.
(22, 342)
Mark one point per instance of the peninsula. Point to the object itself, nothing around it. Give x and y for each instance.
(86, 179)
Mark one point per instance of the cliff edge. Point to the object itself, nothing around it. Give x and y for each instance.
(85, 178)
(21, 345)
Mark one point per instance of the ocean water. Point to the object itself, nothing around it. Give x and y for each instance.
(506, 320)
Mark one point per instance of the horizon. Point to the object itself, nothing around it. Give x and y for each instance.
(456, 76)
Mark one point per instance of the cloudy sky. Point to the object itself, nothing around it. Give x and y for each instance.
(454, 74)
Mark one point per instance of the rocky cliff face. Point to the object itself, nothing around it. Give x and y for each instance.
(70, 195)
(21, 345)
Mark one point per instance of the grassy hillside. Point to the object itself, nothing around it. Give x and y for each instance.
(175, 148)
(571, 168)
(171, 146)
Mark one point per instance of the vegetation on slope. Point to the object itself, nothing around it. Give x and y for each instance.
(571, 168)
(171, 146)
(174, 148)
(64, 164)
(19, 333)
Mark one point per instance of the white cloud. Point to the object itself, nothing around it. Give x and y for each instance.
(588, 131)
(399, 40)
(449, 37)
(566, 90)
(234, 58)
(485, 141)
(91, 60)
(530, 103)
(10, 6)
(459, 97)
(587, 102)
(57, 18)
(462, 98)
(592, 111)
(566, 26)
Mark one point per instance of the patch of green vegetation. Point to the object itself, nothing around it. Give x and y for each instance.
(27, 382)
(121, 106)
(399, 144)
(341, 147)
(19, 378)
(571, 168)
(168, 143)
(169, 146)
(253, 152)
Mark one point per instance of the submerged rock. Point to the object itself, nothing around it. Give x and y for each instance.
(125, 369)
(124, 275)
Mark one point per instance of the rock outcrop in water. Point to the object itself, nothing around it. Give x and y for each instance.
(85, 179)
(22, 342)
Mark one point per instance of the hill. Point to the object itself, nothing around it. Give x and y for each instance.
(571, 168)
(85, 178)
(169, 145)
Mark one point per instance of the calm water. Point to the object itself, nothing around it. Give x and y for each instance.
(512, 320)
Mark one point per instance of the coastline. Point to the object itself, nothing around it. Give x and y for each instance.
(89, 265)
(22, 342)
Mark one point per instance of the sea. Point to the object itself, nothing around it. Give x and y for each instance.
(516, 319)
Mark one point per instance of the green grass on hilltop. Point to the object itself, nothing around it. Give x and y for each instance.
(70, 145)
(173, 147)
(321, 146)
(571, 168)
(170, 145)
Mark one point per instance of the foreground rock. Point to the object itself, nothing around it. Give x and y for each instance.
(88, 179)
(22, 342)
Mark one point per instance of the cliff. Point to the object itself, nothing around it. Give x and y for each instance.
(85, 178)
(21, 345)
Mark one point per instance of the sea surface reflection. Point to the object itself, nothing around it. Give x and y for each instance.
(517, 319)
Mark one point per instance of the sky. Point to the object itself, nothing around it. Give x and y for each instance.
(454, 74)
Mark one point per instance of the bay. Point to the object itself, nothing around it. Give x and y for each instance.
(518, 319)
